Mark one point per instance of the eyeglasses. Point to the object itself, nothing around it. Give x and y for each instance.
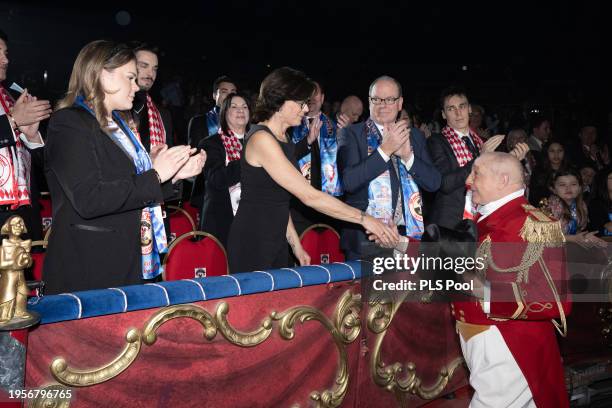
(303, 104)
(387, 101)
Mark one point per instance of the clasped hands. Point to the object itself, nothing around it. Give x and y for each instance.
(27, 113)
(177, 163)
(396, 140)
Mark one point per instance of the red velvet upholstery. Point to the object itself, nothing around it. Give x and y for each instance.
(322, 243)
(46, 211)
(188, 259)
(180, 222)
(37, 267)
(193, 212)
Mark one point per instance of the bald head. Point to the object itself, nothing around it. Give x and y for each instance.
(352, 107)
(515, 136)
(494, 176)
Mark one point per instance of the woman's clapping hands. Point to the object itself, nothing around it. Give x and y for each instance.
(176, 163)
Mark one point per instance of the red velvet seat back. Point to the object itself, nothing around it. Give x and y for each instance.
(322, 243)
(38, 259)
(180, 222)
(188, 259)
(193, 212)
(46, 212)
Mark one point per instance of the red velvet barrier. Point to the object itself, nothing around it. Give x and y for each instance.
(183, 369)
(423, 336)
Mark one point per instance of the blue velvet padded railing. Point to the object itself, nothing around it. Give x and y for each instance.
(91, 303)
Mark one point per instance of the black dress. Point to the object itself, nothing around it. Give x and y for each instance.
(257, 239)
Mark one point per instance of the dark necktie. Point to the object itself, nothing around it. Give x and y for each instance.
(470, 146)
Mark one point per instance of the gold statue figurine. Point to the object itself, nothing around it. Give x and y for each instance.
(14, 258)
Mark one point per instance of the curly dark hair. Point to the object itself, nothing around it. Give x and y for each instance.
(282, 84)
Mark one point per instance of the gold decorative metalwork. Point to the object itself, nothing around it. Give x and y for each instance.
(239, 338)
(344, 327)
(197, 313)
(55, 390)
(346, 316)
(84, 378)
(396, 378)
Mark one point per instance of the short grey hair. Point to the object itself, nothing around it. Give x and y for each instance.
(385, 78)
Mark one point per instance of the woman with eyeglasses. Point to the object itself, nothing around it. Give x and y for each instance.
(269, 176)
(221, 173)
(106, 190)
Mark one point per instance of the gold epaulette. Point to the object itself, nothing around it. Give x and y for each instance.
(540, 228)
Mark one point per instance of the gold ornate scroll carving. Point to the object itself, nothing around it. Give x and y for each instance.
(401, 380)
(344, 327)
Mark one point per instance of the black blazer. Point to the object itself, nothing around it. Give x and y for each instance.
(97, 201)
(449, 201)
(216, 214)
(197, 132)
(357, 169)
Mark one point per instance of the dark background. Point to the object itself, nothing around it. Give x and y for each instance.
(546, 55)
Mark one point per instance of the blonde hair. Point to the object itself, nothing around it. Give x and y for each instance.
(87, 71)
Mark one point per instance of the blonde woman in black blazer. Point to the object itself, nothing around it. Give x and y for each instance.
(97, 192)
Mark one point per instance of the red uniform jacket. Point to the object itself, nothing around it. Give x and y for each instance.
(523, 304)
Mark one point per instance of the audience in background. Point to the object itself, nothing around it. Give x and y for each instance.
(567, 205)
(540, 133)
(221, 175)
(600, 206)
(553, 158)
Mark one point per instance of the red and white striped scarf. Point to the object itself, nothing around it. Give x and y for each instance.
(462, 153)
(157, 132)
(14, 164)
(232, 145)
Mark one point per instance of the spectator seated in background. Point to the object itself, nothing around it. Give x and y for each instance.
(600, 206)
(477, 122)
(352, 108)
(541, 132)
(588, 152)
(553, 158)
(567, 205)
(588, 177)
(221, 173)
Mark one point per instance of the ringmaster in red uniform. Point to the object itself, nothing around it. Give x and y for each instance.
(508, 336)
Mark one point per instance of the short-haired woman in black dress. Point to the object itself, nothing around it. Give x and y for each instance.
(262, 226)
